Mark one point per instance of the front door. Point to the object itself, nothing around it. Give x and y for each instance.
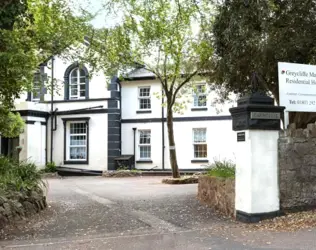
(9, 147)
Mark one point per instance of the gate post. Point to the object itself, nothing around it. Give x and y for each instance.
(257, 123)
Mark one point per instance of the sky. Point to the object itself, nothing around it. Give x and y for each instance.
(96, 7)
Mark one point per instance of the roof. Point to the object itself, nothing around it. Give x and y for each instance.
(140, 74)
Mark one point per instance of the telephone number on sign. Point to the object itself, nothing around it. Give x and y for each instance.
(302, 102)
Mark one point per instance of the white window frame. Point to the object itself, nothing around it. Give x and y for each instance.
(78, 84)
(76, 146)
(144, 97)
(144, 144)
(37, 87)
(199, 143)
(197, 95)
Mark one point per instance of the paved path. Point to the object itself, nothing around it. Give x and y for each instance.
(137, 213)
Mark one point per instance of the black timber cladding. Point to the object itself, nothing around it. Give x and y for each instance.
(114, 123)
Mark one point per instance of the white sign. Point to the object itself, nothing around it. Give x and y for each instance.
(297, 87)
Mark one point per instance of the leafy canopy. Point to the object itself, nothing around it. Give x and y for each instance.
(31, 31)
(253, 36)
(163, 36)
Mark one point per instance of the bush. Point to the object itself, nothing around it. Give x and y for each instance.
(223, 168)
(50, 167)
(19, 176)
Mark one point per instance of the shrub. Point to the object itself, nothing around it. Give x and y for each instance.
(50, 167)
(223, 168)
(19, 176)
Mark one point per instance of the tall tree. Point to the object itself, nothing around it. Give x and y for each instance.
(163, 36)
(253, 36)
(30, 32)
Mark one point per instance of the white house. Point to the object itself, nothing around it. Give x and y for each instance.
(91, 121)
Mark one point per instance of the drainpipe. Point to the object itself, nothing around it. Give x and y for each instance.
(46, 141)
(51, 111)
(134, 129)
(163, 130)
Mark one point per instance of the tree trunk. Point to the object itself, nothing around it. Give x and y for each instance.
(172, 148)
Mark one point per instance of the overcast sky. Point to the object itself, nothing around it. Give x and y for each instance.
(95, 7)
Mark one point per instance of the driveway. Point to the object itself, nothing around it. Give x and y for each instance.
(136, 213)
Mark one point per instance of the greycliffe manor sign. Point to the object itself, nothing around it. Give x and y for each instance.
(297, 87)
(265, 115)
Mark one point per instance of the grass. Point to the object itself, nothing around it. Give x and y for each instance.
(224, 169)
(19, 176)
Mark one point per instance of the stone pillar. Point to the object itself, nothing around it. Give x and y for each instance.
(257, 123)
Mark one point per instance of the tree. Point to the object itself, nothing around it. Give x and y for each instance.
(31, 31)
(161, 36)
(252, 36)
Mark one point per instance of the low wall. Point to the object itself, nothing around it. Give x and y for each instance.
(218, 193)
(17, 206)
(297, 167)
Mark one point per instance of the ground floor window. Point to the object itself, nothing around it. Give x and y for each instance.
(144, 144)
(76, 140)
(199, 143)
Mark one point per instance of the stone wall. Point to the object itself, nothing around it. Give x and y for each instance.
(16, 206)
(297, 167)
(218, 193)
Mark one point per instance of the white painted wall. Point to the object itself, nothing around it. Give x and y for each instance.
(33, 141)
(130, 102)
(97, 84)
(221, 142)
(98, 129)
(257, 189)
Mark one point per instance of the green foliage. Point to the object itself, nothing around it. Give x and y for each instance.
(50, 167)
(162, 36)
(253, 36)
(19, 176)
(31, 31)
(225, 169)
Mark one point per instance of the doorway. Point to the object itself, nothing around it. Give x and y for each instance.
(9, 147)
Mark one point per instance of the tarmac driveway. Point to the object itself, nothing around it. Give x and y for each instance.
(130, 213)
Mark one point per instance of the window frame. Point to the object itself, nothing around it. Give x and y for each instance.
(197, 95)
(144, 145)
(67, 81)
(199, 143)
(67, 135)
(37, 84)
(143, 98)
(78, 84)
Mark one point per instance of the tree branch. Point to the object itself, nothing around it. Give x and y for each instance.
(181, 85)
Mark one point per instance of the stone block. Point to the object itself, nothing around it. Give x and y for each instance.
(313, 173)
(218, 193)
(7, 209)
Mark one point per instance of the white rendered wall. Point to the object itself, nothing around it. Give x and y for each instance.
(257, 189)
(98, 131)
(33, 141)
(221, 142)
(130, 103)
(97, 84)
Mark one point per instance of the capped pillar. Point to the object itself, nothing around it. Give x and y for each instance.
(256, 121)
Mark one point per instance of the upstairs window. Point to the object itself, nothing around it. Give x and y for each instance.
(77, 84)
(36, 90)
(144, 98)
(199, 96)
(199, 143)
(144, 144)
